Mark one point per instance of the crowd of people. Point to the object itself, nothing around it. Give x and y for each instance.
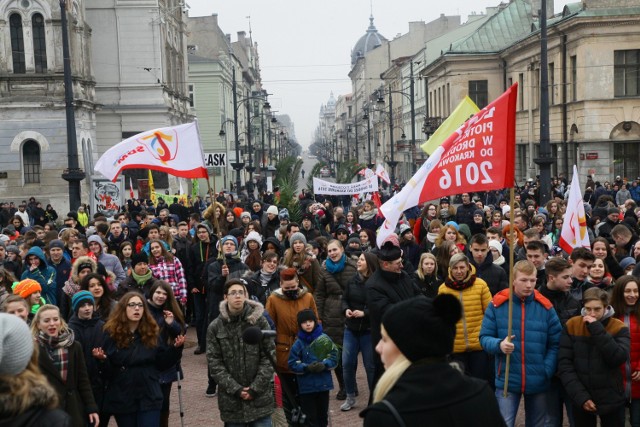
(108, 301)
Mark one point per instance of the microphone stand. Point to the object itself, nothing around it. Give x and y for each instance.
(297, 416)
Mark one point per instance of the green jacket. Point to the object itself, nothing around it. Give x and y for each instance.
(236, 365)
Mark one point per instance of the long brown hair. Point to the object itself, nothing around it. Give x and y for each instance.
(170, 304)
(168, 257)
(117, 325)
(617, 297)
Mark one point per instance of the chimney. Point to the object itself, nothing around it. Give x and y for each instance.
(241, 37)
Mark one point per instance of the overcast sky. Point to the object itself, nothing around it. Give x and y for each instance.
(305, 46)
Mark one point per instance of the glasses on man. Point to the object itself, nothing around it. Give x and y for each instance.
(135, 305)
(236, 293)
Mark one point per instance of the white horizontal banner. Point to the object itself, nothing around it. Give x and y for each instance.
(368, 185)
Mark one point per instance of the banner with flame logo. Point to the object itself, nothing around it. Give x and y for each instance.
(176, 150)
(574, 229)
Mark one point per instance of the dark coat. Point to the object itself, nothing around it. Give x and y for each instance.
(199, 254)
(429, 285)
(37, 400)
(494, 275)
(258, 291)
(90, 335)
(134, 375)
(63, 270)
(564, 303)
(464, 213)
(76, 397)
(436, 394)
(589, 361)
(129, 284)
(328, 295)
(354, 297)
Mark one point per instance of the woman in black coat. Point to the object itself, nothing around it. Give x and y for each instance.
(62, 361)
(419, 386)
(135, 357)
(426, 276)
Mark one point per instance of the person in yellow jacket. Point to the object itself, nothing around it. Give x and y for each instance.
(83, 216)
(474, 296)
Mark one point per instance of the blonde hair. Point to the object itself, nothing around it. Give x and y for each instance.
(390, 377)
(36, 319)
(429, 255)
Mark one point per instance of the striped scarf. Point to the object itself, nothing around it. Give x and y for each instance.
(58, 350)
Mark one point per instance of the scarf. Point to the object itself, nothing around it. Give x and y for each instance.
(58, 350)
(366, 216)
(265, 278)
(309, 337)
(431, 237)
(336, 267)
(141, 280)
(463, 284)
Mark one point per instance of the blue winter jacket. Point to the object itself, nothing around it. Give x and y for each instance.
(537, 335)
(44, 274)
(301, 355)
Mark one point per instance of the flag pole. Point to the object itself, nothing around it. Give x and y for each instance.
(511, 275)
(216, 224)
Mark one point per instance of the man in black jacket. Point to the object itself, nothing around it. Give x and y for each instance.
(557, 290)
(482, 260)
(464, 214)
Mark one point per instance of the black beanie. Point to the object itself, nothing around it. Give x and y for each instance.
(421, 327)
(138, 258)
(306, 314)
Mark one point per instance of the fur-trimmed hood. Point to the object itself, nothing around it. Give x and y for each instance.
(78, 262)
(38, 396)
(209, 213)
(278, 293)
(252, 311)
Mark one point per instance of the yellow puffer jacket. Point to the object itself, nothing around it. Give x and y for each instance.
(475, 300)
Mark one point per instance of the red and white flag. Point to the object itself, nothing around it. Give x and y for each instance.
(175, 150)
(131, 188)
(479, 156)
(574, 228)
(382, 174)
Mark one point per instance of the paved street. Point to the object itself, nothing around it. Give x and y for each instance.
(200, 410)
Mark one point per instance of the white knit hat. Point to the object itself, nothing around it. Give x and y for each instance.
(16, 344)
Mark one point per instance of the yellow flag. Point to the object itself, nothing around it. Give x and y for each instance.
(152, 190)
(461, 114)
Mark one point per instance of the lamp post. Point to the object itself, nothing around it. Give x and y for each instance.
(545, 159)
(73, 174)
(366, 117)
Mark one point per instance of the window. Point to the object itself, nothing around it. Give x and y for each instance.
(17, 44)
(521, 91)
(191, 103)
(626, 73)
(552, 84)
(479, 92)
(39, 43)
(573, 69)
(31, 162)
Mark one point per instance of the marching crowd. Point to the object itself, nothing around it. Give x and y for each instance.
(107, 302)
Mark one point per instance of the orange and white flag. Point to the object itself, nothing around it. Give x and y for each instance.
(574, 229)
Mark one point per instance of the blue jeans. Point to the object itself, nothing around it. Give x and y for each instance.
(634, 413)
(352, 344)
(138, 419)
(261, 422)
(535, 407)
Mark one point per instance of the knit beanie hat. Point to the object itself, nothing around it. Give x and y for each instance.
(138, 258)
(306, 314)
(297, 236)
(243, 214)
(273, 210)
(227, 238)
(56, 244)
(81, 297)
(25, 288)
(16, 344)
(205, 226)
(421, 327)
(390, 249)
(404, 228)
(354, 239)
(495, 245)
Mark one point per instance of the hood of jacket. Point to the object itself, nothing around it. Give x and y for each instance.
(39, 395)
(251, 312)
(37, 251)
(274, 241)
(209, 213)
(278, 293)
(76, 265)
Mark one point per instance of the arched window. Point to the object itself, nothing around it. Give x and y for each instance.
(39, 43)
(31, 162)
(17, 44)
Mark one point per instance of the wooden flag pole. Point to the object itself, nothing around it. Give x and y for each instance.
(511, 277)
(216, 224)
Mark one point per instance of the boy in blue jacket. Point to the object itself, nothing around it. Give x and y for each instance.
(312, 357)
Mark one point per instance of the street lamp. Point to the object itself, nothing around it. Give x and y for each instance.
(73, 174)
(366, 117)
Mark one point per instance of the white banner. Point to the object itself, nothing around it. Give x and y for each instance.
(368, 185)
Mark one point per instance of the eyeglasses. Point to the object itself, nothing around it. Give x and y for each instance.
(235, 293)
(135, 305)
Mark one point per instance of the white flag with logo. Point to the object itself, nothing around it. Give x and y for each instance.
(574, 229)
(382, 174)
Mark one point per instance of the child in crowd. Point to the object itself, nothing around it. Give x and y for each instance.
(31, 291)
(312, 357)
(16, 305)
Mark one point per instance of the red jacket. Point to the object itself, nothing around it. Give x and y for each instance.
(634, 361)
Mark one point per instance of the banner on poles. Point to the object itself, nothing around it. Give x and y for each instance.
(368, 185)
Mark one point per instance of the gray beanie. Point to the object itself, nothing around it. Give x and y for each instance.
(16, 344)
(297, 236)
